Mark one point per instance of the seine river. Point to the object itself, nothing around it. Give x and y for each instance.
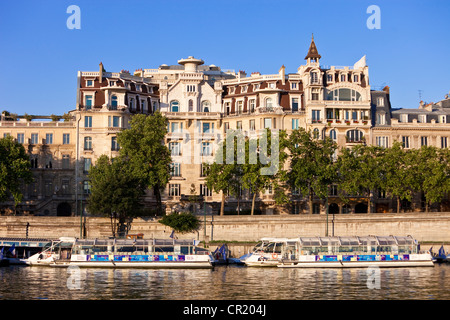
(224, 283)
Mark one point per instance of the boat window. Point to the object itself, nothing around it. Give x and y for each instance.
(185, 250)
(164, 249)
(269, 247)
(125, 248)
(278, 247)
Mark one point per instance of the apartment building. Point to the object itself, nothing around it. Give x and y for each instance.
(201, 102)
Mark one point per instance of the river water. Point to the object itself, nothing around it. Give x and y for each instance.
(225, 283)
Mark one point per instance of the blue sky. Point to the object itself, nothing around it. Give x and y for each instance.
(40, 56)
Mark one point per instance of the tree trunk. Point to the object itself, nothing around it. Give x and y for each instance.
(310, 202)
(158, 200)
(113, 224)
(398, 204)
(369, 204)
(253, 203)
(222, 205)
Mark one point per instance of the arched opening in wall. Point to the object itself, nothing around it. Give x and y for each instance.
(64, 210)
(361, 208)
(346, 208)
(333, 208)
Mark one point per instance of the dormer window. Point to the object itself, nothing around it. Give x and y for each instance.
(355, 78)
(330, 77)
(380, 101)
(294, 85)
(271, 85)
(403, 118)
(314, 77)
(89, 83)
(114, 103)
(442, 119)
(231, 90)
(138, 87)
(343, 77)
(256, 86)
(244, 89)
(422, 118)
(112, 83)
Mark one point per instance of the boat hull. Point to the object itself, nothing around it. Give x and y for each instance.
(360, 261)
(140, 265)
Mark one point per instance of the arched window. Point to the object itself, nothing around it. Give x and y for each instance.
(355, 136)
(191, 105)
(114, 102)
(206, 106)
(316, 133)
(333, 134)
(269, 103)
(87, 143)
(174, 106)
(344, 94)
(314, 77)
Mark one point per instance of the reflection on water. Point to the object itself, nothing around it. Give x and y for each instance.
(223, 283)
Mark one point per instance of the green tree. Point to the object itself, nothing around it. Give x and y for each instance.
(398, 178)
(431, 172)
(312, 166)
(360, 171)
(265, 158)
(143, 146)
(115, 192)
(183, 222)
(14, 169)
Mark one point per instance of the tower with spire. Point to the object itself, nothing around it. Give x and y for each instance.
(313, 55)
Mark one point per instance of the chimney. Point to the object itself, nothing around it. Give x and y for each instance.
(282, 73)
(101, 72)
(386, 89)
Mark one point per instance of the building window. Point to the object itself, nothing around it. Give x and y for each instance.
(329, 77)
(65, 161)
(206, 149)
(267, 123)
(344, 94)
(174, 106)
(315, 115)
(207, 127)
(443, 142)
(333, 134)
(65, 188)
(114, 103)
(114, 144)
(131, 104)
(88, 122)
(86, 187)
(423, 141)
(343, 78)
(405, 142)
(89, 83)
(422, 118)
(226, 126)
(252, 105)
(404, 118)
(175, 149)
(442, 119)
(88, 102)
(252, 125)
(314, 78)
(315, 95)
(87, 164)
(49, 138)
(295, 124)
(204, 191)
(355, 78)
(382, 142)
(381, 119)
(174, 190)
(190, 88)
(316, 133)
(354, 136)
(20, 138)
(114, 121)
(269, 103)
(294, 104)
(66, 138)
(87, 143)
(34, 138)
(175, 169)
(380, 101)
(176, 127)
(239, 125)
(294, 85)
(138, 87)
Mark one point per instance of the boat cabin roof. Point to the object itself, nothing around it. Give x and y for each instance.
(357, 241)
(134, 242)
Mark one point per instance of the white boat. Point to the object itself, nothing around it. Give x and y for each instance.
(357, 252)
(269, 252)
(54, 251)
(127, 253)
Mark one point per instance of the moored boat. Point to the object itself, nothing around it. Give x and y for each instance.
(55, 250)
(357, 252)
(269, 252)
(137, 253)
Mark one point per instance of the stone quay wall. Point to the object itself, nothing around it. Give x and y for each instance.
(425, 227)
